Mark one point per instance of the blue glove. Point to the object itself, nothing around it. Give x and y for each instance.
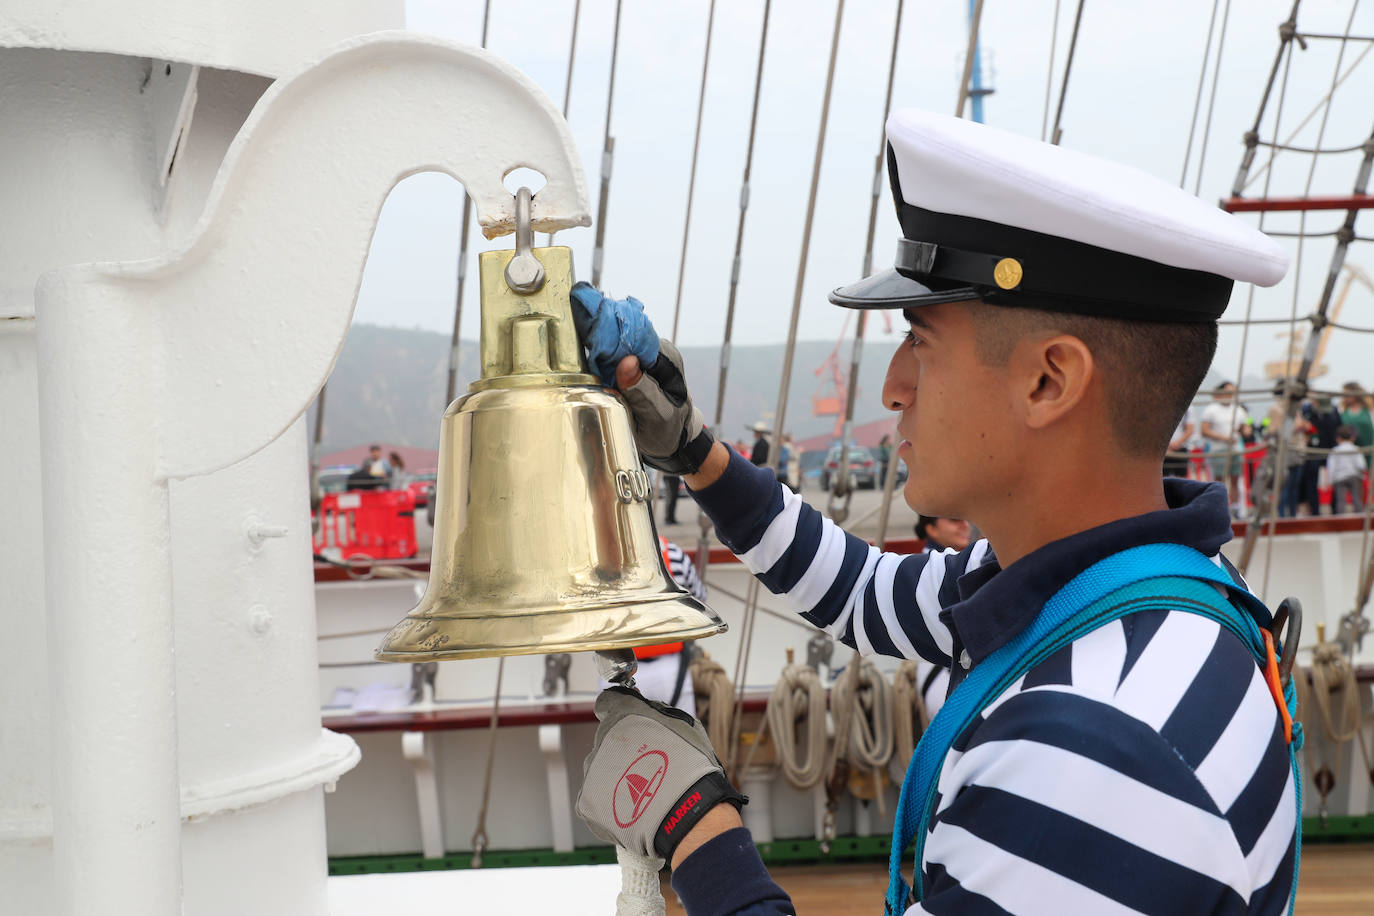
(612, 329)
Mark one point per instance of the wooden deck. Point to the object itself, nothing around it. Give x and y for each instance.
(1336, 881)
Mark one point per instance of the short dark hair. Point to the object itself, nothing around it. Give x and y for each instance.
(923, 523)
(1150, 369)
(1345, 431)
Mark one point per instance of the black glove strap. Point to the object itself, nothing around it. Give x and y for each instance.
(708, 791)
(688, 458)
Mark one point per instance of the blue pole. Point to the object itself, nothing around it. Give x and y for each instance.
(976, 81)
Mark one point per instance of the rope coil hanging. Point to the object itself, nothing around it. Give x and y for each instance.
(909, 715)
(798, 699)
(862, 704)
(1332, 688)
(715, 697)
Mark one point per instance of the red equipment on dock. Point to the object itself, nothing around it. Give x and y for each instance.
(379, 524)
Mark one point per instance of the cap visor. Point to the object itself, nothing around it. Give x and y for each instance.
(894, 290)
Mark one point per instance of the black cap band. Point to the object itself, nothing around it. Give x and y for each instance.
(1020, 267)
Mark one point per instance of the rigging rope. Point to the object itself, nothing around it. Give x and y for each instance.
(692, 179)
(703, 557)
(607, 158)
(1337, 261)
(1197, 99)
(1049, 74)
(1057, 134)
(1286, 32)
(1212, 99)
(479, 836)
(1268, 492)
(455, 343)
(969, 55)
(840, 488)
(572, 57)
(789, 354)
(1263, 169)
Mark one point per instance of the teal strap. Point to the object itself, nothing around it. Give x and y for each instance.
(1155, 576)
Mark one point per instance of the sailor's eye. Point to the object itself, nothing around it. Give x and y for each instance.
(911, 338)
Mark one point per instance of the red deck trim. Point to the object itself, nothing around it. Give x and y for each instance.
(1316, 524)
(1270, 204)
(475, 717)
(325, 572)
(470, 717)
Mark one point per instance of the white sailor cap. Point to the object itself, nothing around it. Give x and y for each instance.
(991, 215)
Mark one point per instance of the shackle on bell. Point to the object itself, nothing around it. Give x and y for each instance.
(544, 536)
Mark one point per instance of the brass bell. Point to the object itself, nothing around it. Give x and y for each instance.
(544, 533)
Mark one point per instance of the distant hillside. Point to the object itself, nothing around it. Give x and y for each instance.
(388, 386)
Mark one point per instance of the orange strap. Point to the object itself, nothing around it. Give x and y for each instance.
(1271, 677)
(645, 652)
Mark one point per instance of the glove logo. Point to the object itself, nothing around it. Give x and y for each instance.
(637, 787)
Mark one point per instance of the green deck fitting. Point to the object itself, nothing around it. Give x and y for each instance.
(803, 851)
(1338, 829)
(778, 852)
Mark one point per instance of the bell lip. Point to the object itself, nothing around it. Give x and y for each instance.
(698, 622)
(892, 289)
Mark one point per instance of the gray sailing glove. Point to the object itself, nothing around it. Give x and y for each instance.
(651, 775)
(669, 430)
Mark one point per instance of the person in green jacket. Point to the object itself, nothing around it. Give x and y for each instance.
(1355, 414)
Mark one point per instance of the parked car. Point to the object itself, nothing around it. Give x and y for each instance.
(422, 485)
(864, 471)
(863, 467)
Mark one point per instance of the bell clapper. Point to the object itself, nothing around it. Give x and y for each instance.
(617, 666)
(524, 273)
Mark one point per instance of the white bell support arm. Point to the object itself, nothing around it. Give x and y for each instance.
(183, 365)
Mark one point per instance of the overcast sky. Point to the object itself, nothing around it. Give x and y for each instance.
(1130, 98)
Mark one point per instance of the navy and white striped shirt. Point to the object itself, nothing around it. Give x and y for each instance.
(683, 570)
(1141, 769)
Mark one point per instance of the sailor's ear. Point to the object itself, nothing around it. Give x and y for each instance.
(1056, 374)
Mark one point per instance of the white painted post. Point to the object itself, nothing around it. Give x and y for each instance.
(115, 793)
(420, 753)
(757, 783)
(560, 800)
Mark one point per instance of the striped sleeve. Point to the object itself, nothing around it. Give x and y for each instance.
(879, 603)
(684, 571)
(1068, 801)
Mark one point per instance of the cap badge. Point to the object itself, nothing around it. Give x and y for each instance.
(1007, 273)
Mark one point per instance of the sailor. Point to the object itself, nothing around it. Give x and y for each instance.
(1118, 737)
